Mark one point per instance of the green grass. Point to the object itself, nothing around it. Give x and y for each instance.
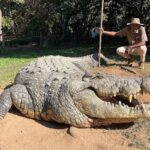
(9, 67)
(12, 60)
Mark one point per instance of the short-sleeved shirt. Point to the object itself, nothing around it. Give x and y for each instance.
(133, 38)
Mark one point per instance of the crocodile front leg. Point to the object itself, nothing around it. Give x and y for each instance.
(5, 103)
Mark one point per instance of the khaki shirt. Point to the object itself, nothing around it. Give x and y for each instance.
(133, 38)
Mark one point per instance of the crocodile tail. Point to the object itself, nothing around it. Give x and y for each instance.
(5, 103)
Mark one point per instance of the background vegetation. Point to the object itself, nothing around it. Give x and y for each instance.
(69, 20)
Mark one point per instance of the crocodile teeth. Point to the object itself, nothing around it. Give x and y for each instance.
(130, 98)
(115, 94)
(135, 96)
(120, 103)
(137, 108)
(143, 107)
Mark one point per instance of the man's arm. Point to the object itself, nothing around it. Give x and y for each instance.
(110, 33)
(134, 46)
(137, 45)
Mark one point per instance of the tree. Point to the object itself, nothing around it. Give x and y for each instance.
(70, 19)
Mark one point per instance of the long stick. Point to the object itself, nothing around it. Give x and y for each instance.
(101, 25)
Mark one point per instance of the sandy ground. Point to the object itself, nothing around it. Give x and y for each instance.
(20, 133)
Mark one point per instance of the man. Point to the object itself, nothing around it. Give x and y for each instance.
(136, 35)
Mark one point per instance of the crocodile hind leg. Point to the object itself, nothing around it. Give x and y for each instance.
(5, 103)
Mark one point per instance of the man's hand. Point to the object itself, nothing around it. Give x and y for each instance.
(101, 30)
(128, 50)
(110, 33)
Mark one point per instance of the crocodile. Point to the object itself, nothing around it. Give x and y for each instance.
(65, 90)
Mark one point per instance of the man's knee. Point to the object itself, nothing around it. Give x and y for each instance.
(142, 53)
(120, 50)
(117, 51)
(143, 49)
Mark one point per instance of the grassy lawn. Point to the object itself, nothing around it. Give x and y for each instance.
(12, 60)
(8, 69)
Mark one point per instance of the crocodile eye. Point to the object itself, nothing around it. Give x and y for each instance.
(56, 79)
(99, 76)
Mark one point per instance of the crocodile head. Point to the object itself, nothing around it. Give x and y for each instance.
(112, 99)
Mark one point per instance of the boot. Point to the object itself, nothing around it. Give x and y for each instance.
(141, 65)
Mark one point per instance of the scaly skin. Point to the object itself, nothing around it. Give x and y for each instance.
(60, 89)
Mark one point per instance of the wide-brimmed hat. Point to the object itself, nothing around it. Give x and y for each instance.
(135, 21)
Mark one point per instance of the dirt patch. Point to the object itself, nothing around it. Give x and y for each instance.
(119, 69)
(18, 132)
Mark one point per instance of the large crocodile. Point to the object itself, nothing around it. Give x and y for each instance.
(63, 89)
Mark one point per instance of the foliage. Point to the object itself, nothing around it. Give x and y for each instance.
(69, 19)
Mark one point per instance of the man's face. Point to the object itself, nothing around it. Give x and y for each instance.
(135, 28)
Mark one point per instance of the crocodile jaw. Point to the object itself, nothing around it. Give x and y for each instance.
(89, 99)
(88, 103)
(110, 85)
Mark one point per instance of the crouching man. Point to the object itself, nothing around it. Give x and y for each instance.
(136, 35)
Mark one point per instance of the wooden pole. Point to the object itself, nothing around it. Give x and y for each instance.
(101, 25)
